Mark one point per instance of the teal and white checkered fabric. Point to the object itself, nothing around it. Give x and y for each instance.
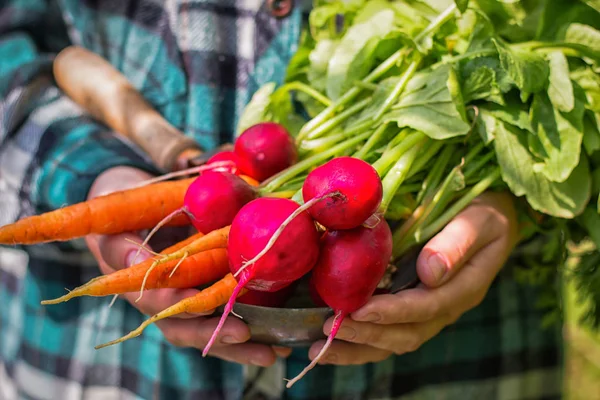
(197, 62)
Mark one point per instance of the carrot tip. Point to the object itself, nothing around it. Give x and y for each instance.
(58, 300)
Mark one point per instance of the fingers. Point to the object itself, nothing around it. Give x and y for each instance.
(445, 252)
(413, 305)
(114, 252)
(468, 289)
(115, 179)
(230, 344)
(485, 220)
(456, 296)
(197, 332)
(397, 338)
(155, 301)
(282, 352)
(118, 251)
(247, 353)
(344, 353)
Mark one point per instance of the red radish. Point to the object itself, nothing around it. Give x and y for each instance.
(265, 149)
(293, 256)
(224, 157)
(214, 198)
(351, 264)
(343, 193)
(359, 185)
(211, 202)
(223, 165)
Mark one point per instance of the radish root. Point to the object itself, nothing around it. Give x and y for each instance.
(178, 264)
(194, 247)
(337, 322)
(227, 166)
(228, 309)
(153, 231)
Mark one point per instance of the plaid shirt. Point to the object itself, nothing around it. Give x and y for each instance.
(197, 62)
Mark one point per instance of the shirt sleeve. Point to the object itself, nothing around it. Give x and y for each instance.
(50, 150)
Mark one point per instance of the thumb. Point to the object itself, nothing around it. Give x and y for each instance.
(461, 238)
(115, 179)
(117, 251)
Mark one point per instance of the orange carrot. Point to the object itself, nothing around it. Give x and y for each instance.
(123, 211)
(213, 240)
(199, 269)
(204, 301)
(216, 239)
(250, 181)
(129, 279)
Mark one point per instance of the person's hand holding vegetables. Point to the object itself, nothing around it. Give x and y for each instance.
(114, 252)
(456, 268)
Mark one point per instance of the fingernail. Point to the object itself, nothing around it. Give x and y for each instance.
(437, 267)
(282, 352)
(229, 340)
(130, 258)
(371, 317)
(332, 358)
(346, 333)
(257, 362)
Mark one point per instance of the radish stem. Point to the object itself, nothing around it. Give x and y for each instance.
(398, 89)
(396, 176)
(441, 19)
(349, 95)
(435, 174)
(451, 212)
(371, 142)
(433, 146)
(301, 87)
(277, 180)
(338, 119)
(392, 155)
(215, 166)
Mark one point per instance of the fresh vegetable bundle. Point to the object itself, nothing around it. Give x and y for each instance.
(394, 116)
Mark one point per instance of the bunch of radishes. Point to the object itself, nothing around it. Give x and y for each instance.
(338, 234)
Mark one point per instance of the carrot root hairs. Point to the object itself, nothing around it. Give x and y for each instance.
(204, 301)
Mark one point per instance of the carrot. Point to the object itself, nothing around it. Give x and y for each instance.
(216, 239)
(204, 301)
(199, 269)
(122, 211)
(250, 181)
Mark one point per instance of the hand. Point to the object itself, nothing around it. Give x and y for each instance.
(115, 252)
(456, 269)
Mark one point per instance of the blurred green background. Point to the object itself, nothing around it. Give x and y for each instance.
(582, 354)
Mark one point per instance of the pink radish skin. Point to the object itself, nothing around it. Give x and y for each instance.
(350, 266)
(265, 149)
(225, 156)
(342, 194)
(292, 256)
(211, 202)
(359, 185)
(214, 198)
